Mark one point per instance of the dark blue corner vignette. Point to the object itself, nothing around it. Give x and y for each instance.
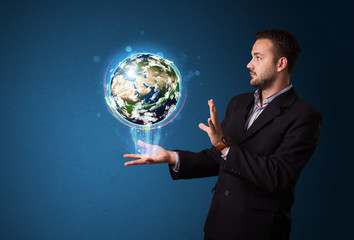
(61, 164)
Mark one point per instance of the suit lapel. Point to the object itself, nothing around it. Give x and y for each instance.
(241, 116)
(273, 110)
(269, 113)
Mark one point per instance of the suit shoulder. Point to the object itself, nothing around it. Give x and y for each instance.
(305, 108)
(242, 97)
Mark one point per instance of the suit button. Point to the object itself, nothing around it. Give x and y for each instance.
(227, 193)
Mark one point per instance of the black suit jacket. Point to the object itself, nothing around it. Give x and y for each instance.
(256, 184)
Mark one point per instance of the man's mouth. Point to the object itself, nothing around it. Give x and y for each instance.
(252, 73)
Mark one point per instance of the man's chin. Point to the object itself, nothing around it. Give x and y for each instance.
(254, 83)
(261, 85)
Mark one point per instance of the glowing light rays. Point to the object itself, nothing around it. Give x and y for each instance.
(151, 136)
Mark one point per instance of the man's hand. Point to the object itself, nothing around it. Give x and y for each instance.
(155, 154)
(214, 130)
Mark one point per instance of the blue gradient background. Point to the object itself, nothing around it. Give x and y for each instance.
(61, 164)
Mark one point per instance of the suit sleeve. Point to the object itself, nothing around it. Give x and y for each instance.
(281, 169)
(196, 165)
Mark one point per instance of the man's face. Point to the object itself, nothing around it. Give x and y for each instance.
(262, 66)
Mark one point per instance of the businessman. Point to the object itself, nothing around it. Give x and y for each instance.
(259, 149)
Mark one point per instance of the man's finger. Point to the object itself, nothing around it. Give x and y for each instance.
(150, 148)
(213, 112)
(133, 155)
(211, 124)
(203, 127)
(145, 145)
(139, 162)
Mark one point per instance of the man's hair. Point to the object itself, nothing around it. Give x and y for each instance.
(285, 45)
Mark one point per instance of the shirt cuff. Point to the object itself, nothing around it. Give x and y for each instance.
(176, 167)
(225, 156)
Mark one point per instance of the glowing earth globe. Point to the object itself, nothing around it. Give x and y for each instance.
(145, 88)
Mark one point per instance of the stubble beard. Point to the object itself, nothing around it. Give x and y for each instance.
(265, 79)
(262, 84)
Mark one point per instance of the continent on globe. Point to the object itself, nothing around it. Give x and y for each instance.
(145, 88)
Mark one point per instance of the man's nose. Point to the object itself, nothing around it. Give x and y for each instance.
(250, 65)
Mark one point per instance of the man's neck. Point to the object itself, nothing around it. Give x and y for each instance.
(274, 89)
(265, 93)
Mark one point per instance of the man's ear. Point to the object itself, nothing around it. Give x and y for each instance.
(282, 64)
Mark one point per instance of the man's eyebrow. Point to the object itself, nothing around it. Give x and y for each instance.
(257, 53)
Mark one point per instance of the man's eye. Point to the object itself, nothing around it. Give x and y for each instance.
(259, 59)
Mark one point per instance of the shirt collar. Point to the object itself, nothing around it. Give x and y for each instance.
(270, 98)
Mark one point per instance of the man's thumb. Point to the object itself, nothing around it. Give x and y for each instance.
(203, 127)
